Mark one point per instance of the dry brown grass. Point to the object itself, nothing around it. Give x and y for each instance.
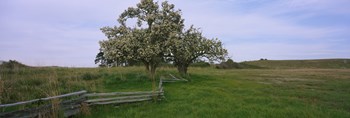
(22, 84)
(1, 89)
(85, 109)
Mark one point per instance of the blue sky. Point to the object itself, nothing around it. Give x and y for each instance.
(66, 32)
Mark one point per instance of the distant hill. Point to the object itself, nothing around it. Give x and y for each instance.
(12, 64)
(291, 64)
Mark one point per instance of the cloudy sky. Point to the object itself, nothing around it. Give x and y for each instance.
(66, 32)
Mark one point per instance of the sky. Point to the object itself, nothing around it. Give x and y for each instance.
(66, 32)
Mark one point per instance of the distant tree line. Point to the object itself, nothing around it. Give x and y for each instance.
(229, 64)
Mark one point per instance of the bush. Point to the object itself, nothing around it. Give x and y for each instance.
(200, 64)
(12, 64)
(229, 64)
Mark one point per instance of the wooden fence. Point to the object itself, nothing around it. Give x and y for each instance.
(45, 106)
(174, 79)
(74, 101)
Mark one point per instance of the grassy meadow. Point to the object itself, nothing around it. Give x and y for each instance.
(297, 64)
(210, 92)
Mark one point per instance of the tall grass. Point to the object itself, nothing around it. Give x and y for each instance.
(27, 83)
(209, 93)
(1, 88)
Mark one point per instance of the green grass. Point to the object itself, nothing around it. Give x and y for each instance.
(209, 93)
(247, 93)
(294, 64)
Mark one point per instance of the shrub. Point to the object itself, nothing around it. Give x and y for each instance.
(200, 64)
(12, 64)
(229, 64)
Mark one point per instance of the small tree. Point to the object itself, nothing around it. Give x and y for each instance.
(104, 62)
(191, 45)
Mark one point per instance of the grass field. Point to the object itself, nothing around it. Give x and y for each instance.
(248, 93)
(209, 93)
(297, 64)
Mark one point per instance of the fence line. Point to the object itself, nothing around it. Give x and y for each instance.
(119, 93)
(42, 99)
(122, 97)
(69, 107)
(174, 79)
(125, 97)
(72, 106)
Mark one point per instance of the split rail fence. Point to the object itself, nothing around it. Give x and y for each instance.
(124, 97)
(72, 103)
(45, 106)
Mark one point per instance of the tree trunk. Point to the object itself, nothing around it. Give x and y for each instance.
(153, 72)
(147, 66)
(182, 68)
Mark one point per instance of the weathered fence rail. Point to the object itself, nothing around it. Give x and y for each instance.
(42, 99)
(73, 105)
(122, 97)
(125, 97)
(174, 79)
(69, 107)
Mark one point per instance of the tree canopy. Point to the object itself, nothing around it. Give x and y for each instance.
(147, 40)
(191, 45)
(157, 35)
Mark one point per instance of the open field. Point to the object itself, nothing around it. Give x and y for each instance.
(248, 93)
(210, 92)
(296, 64)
